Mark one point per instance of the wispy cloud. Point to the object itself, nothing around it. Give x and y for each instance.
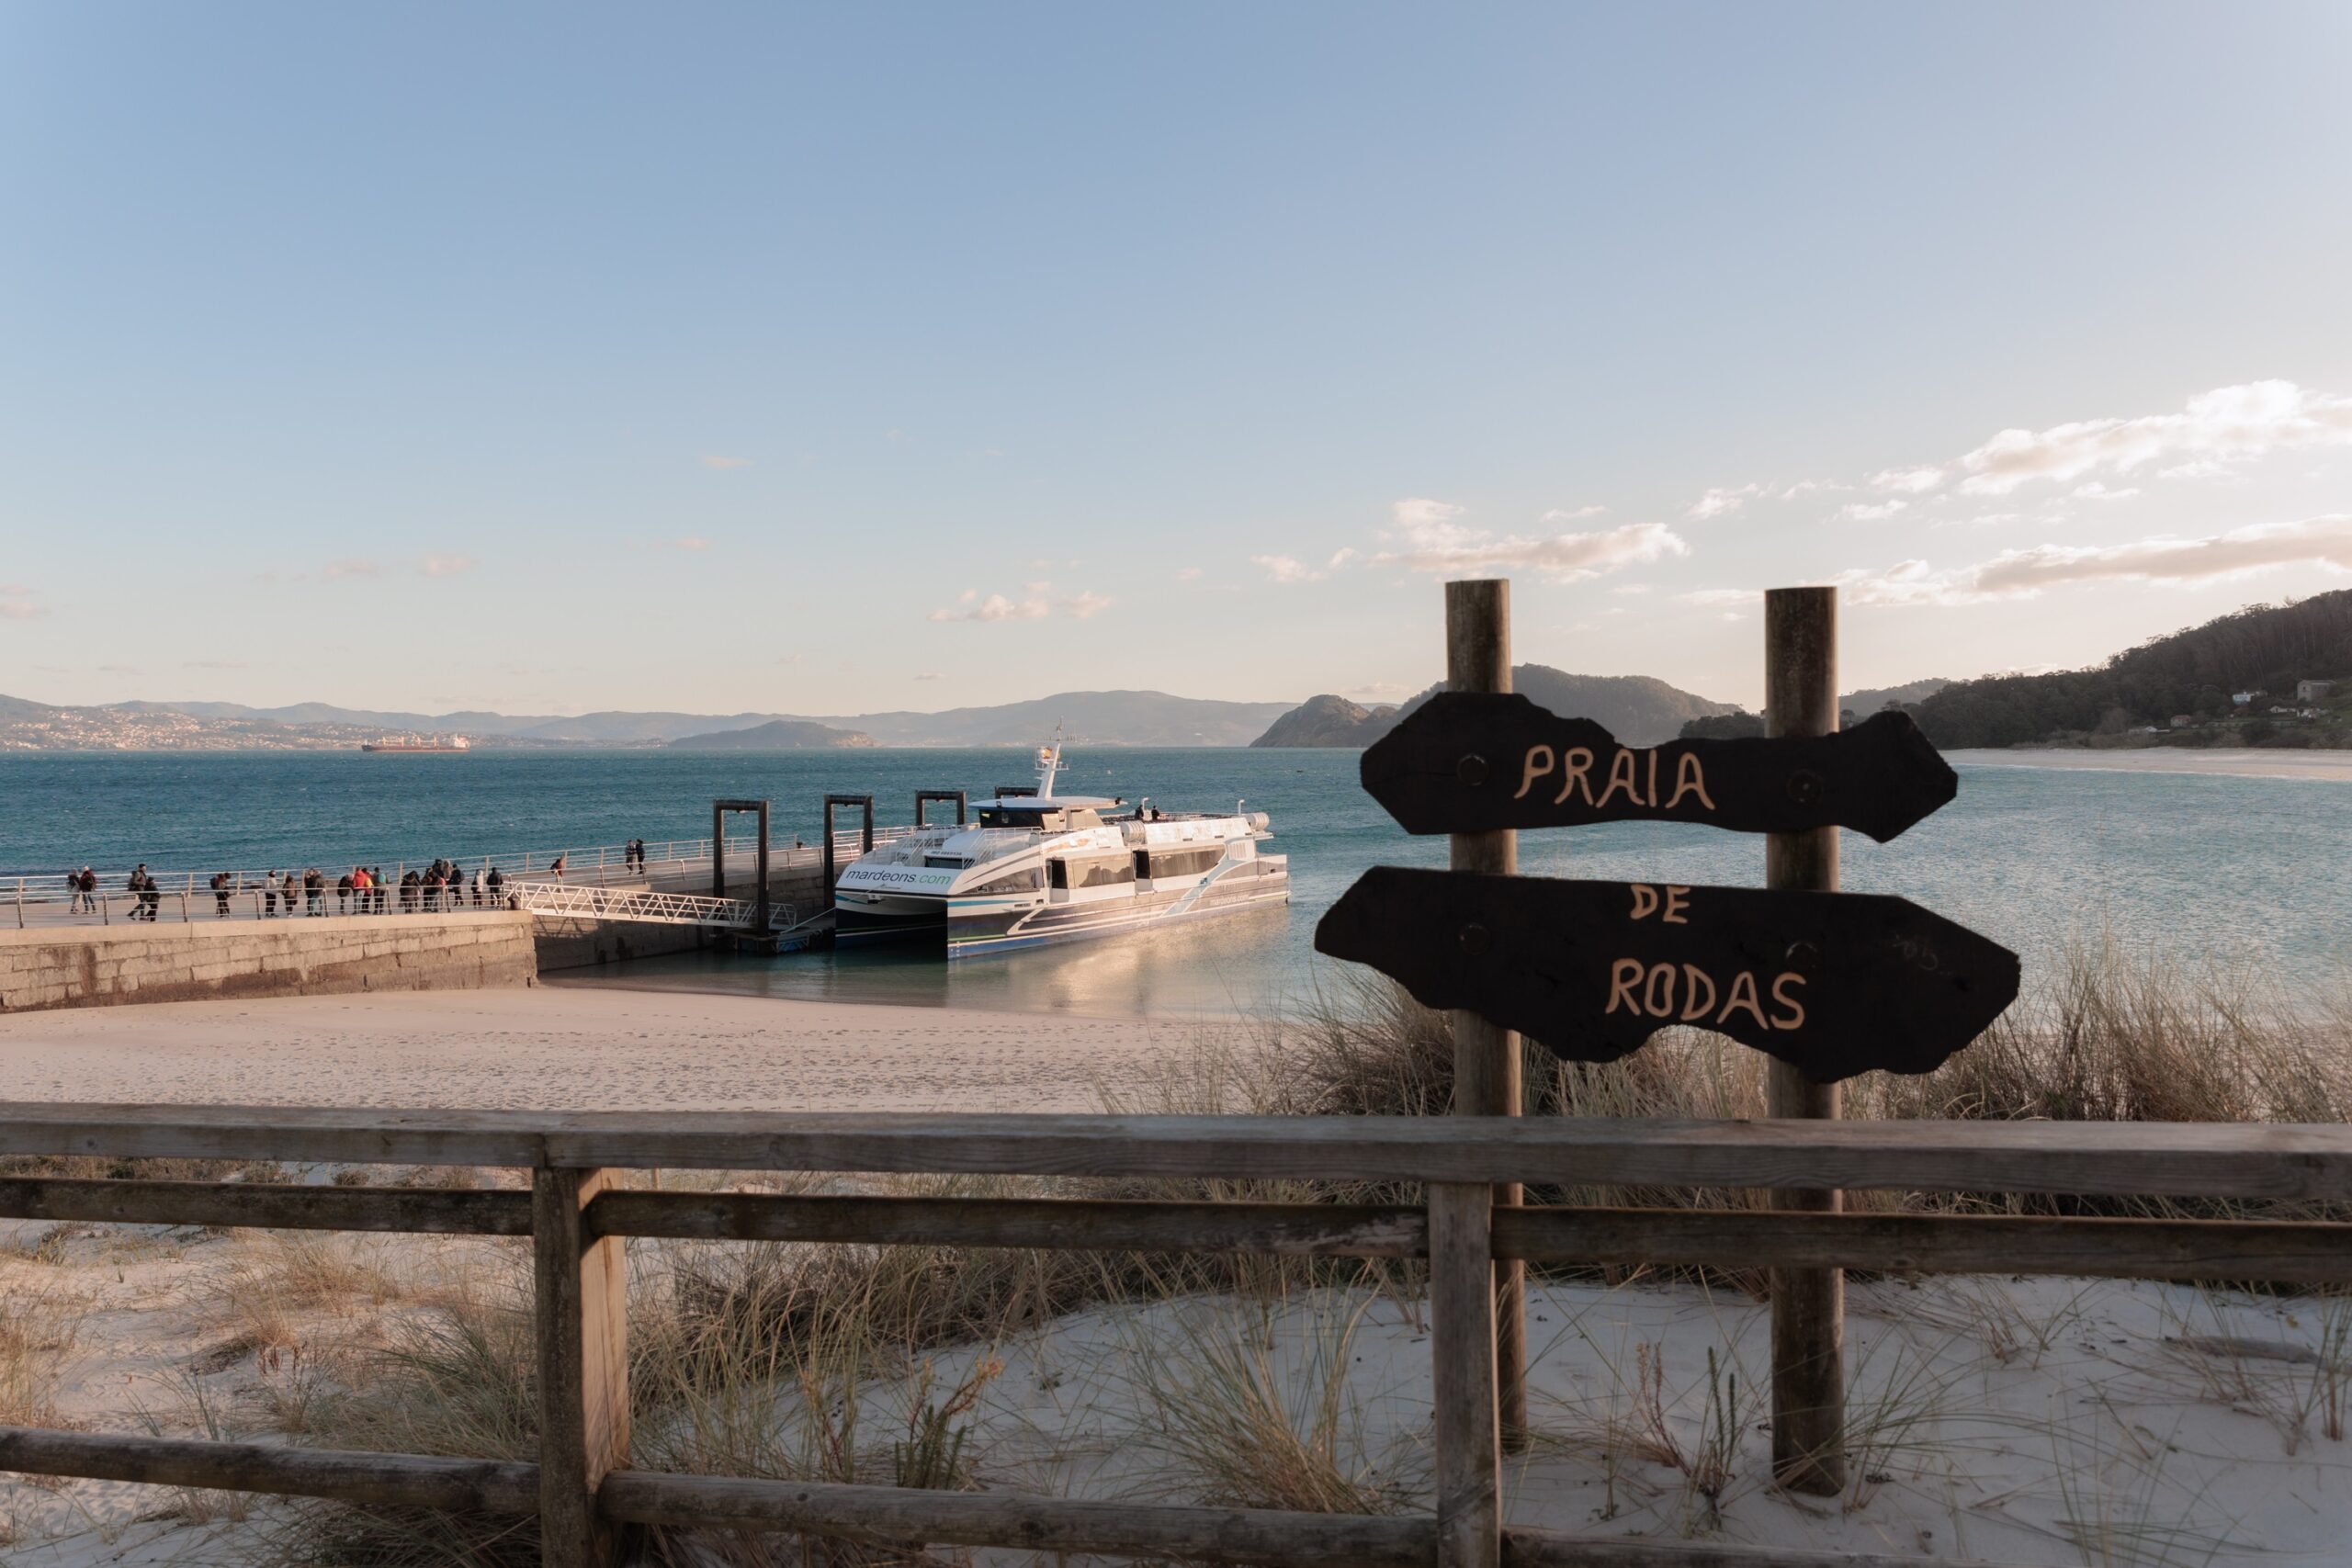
(1033, 606)
(1433, 539)
(720, 461)
(2217, 429)
(1715, 502)
(1872, 510)
(118, 669)
(18, 603)
(1720, 598)
(1288, 568)
(212, 664)
(995, 607)
(1719, 501)
(1571, 514)
(928, 675)
(335, 569)
(1188, 574)
(2324, 542)
(2213, 434)
(446, 566)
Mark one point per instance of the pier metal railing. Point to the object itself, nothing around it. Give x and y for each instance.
(579, 1211)
(181, 896)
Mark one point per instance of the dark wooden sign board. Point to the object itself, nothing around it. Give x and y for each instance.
(1834, 982)
(1470, 761)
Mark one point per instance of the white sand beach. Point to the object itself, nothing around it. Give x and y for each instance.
(580, 1048)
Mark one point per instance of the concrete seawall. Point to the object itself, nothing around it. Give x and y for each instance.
(301, 957)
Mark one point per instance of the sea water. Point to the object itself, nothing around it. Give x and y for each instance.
(2238, 869)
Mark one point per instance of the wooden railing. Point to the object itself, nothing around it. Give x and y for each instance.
(582, 1488)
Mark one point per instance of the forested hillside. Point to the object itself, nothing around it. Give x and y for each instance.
(2263, 648)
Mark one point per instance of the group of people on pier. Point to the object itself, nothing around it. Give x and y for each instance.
(442, 888)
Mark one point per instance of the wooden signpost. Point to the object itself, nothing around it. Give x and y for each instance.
(1829, 983)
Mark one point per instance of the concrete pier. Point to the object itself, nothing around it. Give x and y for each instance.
(105, 966)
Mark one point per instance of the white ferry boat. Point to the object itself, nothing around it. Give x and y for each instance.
(1038, 867)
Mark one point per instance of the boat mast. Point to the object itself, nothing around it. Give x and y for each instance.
(1049, 762)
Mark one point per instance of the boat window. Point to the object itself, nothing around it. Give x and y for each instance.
(1012, 882)
(945, 862)
(1031, 817)
(1183, 863)
(1092, 872)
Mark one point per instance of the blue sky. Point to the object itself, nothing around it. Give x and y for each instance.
(851, 358)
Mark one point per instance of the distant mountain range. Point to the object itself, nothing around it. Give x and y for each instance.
(775, 735)
(1639, 710)
(1093, 718)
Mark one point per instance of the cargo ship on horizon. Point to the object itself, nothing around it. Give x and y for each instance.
(414, 743)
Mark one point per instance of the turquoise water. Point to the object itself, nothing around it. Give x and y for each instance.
(2241, 869)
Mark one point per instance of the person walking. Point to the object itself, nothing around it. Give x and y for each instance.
(556, 870)
(269, 897)
(343, 894)
(137, 888)
(383, 892)
(224, 884)
(493, 881)
(73, 888)
(476, 887)
(150, 897)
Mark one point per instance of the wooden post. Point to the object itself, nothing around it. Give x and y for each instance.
(1486, 1059)
(1462, 1385)
(1808, 1304)
(580, 1290)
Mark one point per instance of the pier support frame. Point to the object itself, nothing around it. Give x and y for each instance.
(718, 812)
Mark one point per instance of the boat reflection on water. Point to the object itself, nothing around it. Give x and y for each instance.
(1216, 968)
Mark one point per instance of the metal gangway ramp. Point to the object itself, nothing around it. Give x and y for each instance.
(589, 902)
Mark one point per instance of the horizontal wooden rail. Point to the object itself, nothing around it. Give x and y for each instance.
(436, 1210)
(878, 1515)
(1892, 1244)
(2237, 1250)
(412, 1481)
(897, 1516)
(2291, 1161)
(1558, 1549)
(1289, 1229)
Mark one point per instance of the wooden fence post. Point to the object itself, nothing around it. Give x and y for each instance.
(1465, 1434)
(582, 1319)
(1487, 1058)
(1808, 1304)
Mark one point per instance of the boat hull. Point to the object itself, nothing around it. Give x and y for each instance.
(977, 928)
(870, 924)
